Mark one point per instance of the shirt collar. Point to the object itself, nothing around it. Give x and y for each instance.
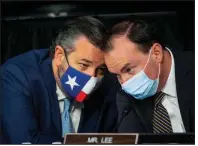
(62, 96)
(59, 93)
(170, 86)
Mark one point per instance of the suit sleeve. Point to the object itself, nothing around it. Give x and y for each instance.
(19, 123)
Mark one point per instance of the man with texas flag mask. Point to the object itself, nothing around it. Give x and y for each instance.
(45, 93)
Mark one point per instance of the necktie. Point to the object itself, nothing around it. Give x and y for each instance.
(67, 126)
(161, 119)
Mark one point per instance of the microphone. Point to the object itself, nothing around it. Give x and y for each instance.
(126, 110)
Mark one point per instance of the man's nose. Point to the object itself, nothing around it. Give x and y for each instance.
(91, 72)
(123, 79)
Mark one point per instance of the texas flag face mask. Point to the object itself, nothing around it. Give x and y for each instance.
(77, 84)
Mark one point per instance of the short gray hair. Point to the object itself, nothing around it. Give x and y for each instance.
(86, 26)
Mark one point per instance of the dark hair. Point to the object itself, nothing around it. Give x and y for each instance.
(86, 26)
(143, 33)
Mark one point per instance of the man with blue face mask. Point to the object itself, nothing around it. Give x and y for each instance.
(157, 84)
(48, 93)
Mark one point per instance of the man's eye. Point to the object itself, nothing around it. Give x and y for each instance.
(129, 70)
(83, 66)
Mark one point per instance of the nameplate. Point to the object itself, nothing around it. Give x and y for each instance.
(101, 138)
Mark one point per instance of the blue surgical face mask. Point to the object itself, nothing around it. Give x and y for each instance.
(141, 86)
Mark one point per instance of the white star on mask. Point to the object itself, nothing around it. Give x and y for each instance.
(72, 82)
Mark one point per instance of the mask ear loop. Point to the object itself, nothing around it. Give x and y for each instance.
(159, 70)
(148, 61)
(144, 66)
(66, 60)
(66, 57)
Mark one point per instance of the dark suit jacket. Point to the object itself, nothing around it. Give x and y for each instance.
(29, 107)
(139, 116)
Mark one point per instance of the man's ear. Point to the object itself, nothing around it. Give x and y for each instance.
(157, 52)
(59, 55)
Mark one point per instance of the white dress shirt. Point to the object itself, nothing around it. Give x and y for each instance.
(76, 109)
(170, 100)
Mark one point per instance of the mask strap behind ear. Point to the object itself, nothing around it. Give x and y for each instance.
(159, 70)
(59, 73)
(66, 60)
(66, 56)
(148, 59)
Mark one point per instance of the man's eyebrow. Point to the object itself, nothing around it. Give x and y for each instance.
(125, 66)
(87, 61)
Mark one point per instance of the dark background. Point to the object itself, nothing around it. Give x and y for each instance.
(30, 25)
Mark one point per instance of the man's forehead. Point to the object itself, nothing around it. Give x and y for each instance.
(115, 63)
(87, 51)
(123, 52)
(82, 42)
(122, 43)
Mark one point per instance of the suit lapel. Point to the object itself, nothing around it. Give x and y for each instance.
(46, 70)
(80, 127)
(184, 86)
(91, 115)
(143, 109)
